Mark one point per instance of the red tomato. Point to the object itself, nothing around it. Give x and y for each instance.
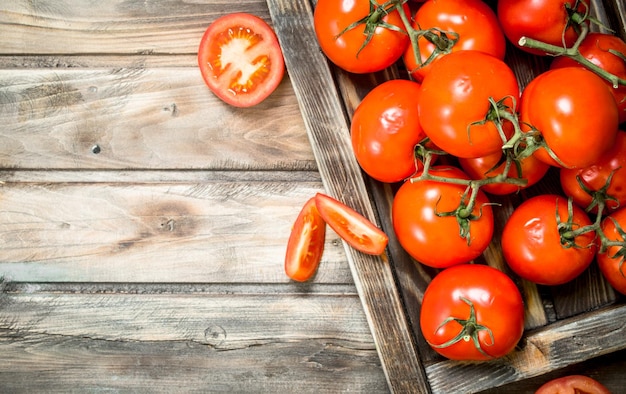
(574, 112)
(435, 240)
(595, 47)
(385, 129)
(351, 226)
(240, 59)
(306, 243)
(573, 384)
(472, 312)
(473, 20)
(596, 176)
(611, 262)
(543, 20)
(532, 170)
(346, 48)
(532, 244)
(455, 99)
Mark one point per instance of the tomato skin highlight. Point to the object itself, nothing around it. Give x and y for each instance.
(613, 267)
(351, 226)
(455, 98)
(240, 59)
(498, 306)
(331, 17)
(596, 176)
(531, 242)
(473, 20)
(306, 243)
(385, 129)
(574, 112)
(424, 235)
(573, 384)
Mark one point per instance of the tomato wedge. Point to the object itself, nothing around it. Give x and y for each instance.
(306, 243)
(240, 59)
(351, 226)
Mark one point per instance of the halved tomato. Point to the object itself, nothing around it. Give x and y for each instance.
(240, 59)
(306, 243)
(351, 226)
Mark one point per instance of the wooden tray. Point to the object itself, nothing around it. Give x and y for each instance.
(564, 325)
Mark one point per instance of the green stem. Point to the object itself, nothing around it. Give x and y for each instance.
(574, 54)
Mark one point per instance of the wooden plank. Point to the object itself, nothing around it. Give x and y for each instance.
(193, 343)
(138, 118)
(219, 321)
(328, 131)
(218, 231)
(42, 363)
(113, 27)
(556, 346)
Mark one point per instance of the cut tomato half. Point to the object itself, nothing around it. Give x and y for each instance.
(306, 243)
(240, 59)
(351, 226)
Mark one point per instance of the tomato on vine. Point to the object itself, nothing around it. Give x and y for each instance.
(360, 36)
(554, 22)
(447, 26)
(608, 52)
(611, 261)
(385, 129)
(462, 100)
(575, 114)
(540, 242)
(607, 177)
(472, 312)
(430, 216)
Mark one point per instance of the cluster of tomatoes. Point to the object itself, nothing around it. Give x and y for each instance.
(461, 128)
(458, 130)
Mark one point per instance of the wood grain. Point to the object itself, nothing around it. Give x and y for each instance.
(112, 27)
(142, 118)
(185, 343)
(210, 231)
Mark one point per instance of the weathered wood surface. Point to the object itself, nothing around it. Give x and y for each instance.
(143, 223)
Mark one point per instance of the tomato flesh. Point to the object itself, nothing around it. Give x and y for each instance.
(306, 243)
(351, 226)
(240, 59)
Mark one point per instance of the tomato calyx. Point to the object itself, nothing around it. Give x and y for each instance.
(374, 19)
(569, 230)
(599, 197)
(442, 40)
(621, 246)
(470, 328)
(464, 213)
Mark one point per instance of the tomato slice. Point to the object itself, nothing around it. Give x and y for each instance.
(306, 243)
(240, 59)
(351, 226)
